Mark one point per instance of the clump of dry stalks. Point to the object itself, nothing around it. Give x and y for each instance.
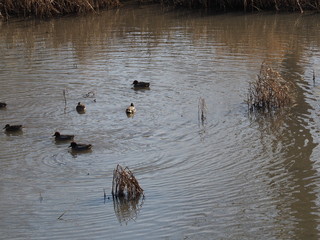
(269, 92)
(124, 184)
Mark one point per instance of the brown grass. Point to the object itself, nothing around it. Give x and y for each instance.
(51, 8)
(269, 92)
(124, 184)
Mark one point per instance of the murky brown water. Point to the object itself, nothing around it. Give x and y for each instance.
(233, 177)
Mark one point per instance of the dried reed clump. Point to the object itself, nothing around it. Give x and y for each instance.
(51, 8)
(269, 92)
(124, 184)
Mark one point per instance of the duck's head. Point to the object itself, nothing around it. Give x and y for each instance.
(135, 82)
(56, 134)
(132, 105)
(6, 126)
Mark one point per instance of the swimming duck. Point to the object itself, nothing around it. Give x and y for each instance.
(131, 109)
(81, 108)
(3, 104)
(80, 147)
(137, 84)
(12, 128)
(61, 137)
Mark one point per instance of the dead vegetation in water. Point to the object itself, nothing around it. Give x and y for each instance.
(202, 117)
(202, 111)
(127, 194)
(269, 92)
(51, 8)
(124, 184)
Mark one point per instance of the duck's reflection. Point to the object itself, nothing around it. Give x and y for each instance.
(130, 115)
(14, 133)
(75, 153)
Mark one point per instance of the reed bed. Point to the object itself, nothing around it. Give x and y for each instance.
(269, 92)
(124, 184)
(52, 8)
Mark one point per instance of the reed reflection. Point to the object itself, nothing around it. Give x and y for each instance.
(286, 134)
(127, 209)
(293, 179)
(300, 145)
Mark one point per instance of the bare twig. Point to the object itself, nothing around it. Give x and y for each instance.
(301, 10)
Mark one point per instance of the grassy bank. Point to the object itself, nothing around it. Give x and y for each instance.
(248, 5)
(52, 8)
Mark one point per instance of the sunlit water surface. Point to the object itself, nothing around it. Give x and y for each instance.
(232, 176)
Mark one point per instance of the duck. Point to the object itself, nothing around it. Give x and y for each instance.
(79, 146)
(62, 137)
(131, 109)
(137, 84)
(81, 107)
(12, 128)
(3, 104)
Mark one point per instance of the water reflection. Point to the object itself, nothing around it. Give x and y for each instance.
(300, 145)
(14, 133)
(127, 210)
(293, 177)
(75, 152)
(141, 89)
(130, 115)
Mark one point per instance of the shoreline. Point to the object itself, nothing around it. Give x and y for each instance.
(43, 9)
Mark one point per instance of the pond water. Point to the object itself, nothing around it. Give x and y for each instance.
(232, 176)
